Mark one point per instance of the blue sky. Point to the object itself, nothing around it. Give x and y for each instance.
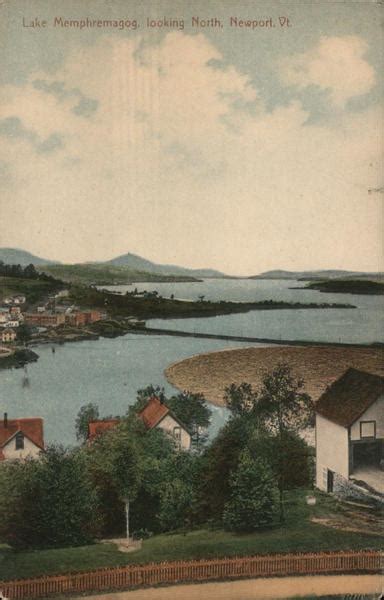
(236, 148)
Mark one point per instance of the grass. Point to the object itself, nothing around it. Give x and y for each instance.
(298, 535)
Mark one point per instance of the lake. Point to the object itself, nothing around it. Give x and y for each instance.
(110, 371)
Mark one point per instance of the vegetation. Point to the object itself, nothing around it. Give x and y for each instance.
(299, 534)
(348, 286)
(18, 358)
(103, 274)
(49, 502)
(154, 306)
(253, 496)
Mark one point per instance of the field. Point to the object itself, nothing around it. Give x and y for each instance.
(298, 534)
(319, 366)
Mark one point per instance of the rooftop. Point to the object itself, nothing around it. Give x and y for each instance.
(350, 396)
(31, 427)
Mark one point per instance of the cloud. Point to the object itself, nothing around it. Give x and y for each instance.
(336, 64)
(13, 128)
(174, 166)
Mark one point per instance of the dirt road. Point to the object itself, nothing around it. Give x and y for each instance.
(259, 589)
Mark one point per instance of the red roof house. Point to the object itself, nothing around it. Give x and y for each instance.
(20, 438)
(96, 428)
(154, 414)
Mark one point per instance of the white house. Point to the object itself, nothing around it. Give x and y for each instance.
(155, 414)
(350, 432)
(21, 438)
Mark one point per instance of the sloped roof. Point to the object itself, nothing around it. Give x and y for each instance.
(350, 396)
(32, 428)
(153, 412)
(96, 428)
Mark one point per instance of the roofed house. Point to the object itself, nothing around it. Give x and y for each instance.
(350, 432)
(155, 414)
(96, 428)
(21, 438)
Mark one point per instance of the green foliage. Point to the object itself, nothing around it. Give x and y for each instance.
(191, 409)
(240, 399)
(282, 405)
(49, 501)
(88, 412)
(253, 496)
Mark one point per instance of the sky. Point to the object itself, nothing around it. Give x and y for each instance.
(237, 148)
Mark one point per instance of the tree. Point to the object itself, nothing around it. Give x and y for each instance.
(253, 500)
(193, 412)
(283, 408)
(49, 501)
(115, 458)
(88, 412)
(240, 399)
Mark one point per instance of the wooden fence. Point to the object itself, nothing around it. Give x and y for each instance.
(129, 576)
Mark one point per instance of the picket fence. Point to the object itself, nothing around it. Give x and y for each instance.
(130, 576)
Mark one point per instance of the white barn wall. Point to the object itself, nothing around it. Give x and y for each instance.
(374, 413)
(331, 450)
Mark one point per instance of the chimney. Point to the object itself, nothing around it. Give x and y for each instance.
(5, 420)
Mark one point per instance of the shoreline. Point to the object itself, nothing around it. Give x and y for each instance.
(210, 373)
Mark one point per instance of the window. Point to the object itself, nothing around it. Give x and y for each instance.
(177, 433)
(367, 429)
(19, 441)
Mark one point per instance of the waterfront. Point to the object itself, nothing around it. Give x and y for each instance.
(110, 371)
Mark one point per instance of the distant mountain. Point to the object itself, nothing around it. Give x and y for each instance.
(142, 264)
(15, 256)
(322, 274)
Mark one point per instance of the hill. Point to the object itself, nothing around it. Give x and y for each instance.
(318, 275)
(142, 264)
(16, 256)
(107, 274)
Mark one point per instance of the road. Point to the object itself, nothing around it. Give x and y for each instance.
(272, 588)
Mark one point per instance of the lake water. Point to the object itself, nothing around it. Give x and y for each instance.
(110, 371)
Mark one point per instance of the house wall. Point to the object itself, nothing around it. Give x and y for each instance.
(30, 449)
(168, 423)
(331, 451)
(374, 413)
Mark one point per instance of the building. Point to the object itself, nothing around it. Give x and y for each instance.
(46, 319)
(96, 428)
(15, 311)
(155, 414)
(21, 438)
(7, 335)
(350, 433)
(78, 318)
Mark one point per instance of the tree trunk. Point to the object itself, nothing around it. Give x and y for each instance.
(127, 517)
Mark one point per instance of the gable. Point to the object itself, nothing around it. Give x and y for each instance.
(350, 397)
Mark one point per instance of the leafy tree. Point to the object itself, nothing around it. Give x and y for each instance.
(193, 412)
(240, 399)
(49, 501)
(217, 462)
(282, 404)
(115, 461)
(283, 408)
(88, 412)
(253, 499)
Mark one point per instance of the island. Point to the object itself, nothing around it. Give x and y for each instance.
(348, 286)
